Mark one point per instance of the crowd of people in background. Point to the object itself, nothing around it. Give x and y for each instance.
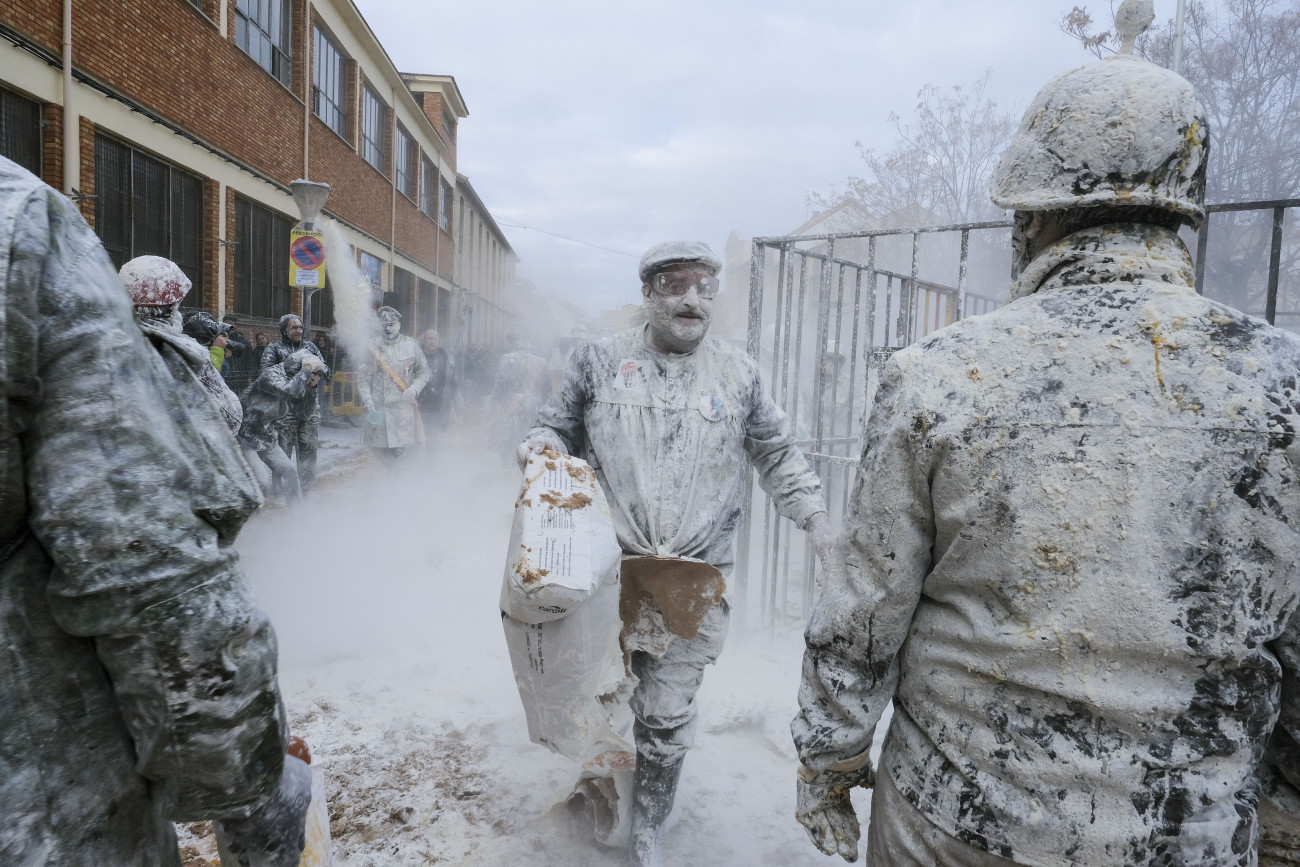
(280, 387)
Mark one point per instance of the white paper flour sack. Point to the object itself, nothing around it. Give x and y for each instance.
(563, 545)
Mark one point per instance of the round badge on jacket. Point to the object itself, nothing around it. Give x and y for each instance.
(712, 407)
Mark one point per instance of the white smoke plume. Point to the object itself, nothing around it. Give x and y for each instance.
(355, 322)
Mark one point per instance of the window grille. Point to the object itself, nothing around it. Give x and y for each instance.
(261, 261)
(146, 207)
(329, 84)
(262, 29)
(20, 131)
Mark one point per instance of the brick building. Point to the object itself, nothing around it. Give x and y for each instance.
(188, 120)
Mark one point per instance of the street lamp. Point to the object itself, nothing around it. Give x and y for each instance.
(310, 197)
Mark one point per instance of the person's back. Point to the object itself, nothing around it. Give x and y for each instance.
(1111, 464)
(1072, 559)
(137, 678)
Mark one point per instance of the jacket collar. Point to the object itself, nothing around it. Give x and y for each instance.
(1117, 253)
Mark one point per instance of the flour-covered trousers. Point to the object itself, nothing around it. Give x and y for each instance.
(901, 836)
(664, 699)
(301, 435)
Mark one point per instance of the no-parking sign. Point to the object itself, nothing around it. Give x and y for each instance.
(306, 259)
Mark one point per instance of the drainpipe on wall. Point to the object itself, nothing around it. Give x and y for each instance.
(392, 214)
(307, 47)
(71, 128)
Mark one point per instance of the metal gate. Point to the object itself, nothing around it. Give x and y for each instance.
(825, 311)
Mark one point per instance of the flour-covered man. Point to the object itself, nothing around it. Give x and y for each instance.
(389, 380)
(1072, 559)
(670, 420)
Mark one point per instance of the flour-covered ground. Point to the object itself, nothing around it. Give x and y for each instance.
(383, 587)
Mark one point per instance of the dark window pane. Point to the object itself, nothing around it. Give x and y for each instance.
(113, 199)
(20, 131)
(150, 207)
(261, 261)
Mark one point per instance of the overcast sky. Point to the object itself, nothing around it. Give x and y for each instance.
(623, 124)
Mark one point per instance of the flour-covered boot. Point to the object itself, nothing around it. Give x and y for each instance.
(652, 801)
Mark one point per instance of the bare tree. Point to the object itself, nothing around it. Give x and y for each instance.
(1244, 59)
(938, 170)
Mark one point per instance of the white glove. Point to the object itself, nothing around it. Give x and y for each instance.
(276, 833)
(536, 444)
(823, 807)
(819, 528)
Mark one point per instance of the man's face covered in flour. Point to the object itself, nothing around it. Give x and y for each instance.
(391, 325)
(679, 306)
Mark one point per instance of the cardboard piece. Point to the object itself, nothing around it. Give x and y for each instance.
(664, 597)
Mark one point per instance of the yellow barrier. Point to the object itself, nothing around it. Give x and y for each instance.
(343, 396)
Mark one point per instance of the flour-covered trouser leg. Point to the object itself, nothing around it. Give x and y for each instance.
(664, 706)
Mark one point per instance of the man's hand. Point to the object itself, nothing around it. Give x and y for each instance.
(823, 807)
(819, 528)
(276, 833)
(536, 444)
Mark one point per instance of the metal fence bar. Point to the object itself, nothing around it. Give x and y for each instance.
(1202, 246)
(1274, 265)
(961, 275)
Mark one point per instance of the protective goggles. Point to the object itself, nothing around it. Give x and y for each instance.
(675, 284)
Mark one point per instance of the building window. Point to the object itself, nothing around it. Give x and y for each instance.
(261, 261)
(20, 131)
(449, 124)
(372, 268)
(372, 128)
(329, 84)
(262, 29)
(401, 297)
(429, 188)
(145, 207)
(444, 206)
(405, 163)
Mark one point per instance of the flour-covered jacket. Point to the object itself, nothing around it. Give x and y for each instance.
(670, 437)
(191, 363)
(390, 377)
(1072, 562)
(267, 400)
(137, 677)
(276, 352)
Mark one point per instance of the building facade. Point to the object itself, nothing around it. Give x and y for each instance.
(485, 274)
(178, 125)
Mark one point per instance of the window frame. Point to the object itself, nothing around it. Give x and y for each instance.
(257, 19)
(429, 189)
(406, 162)
(329, 103)
(445, 196)
(374, 117)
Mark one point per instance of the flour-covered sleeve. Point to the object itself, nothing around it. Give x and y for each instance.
(850, 666)
(783, 473)
(421, 377)
(564, 413)
(1284, 748)
(113, 499)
